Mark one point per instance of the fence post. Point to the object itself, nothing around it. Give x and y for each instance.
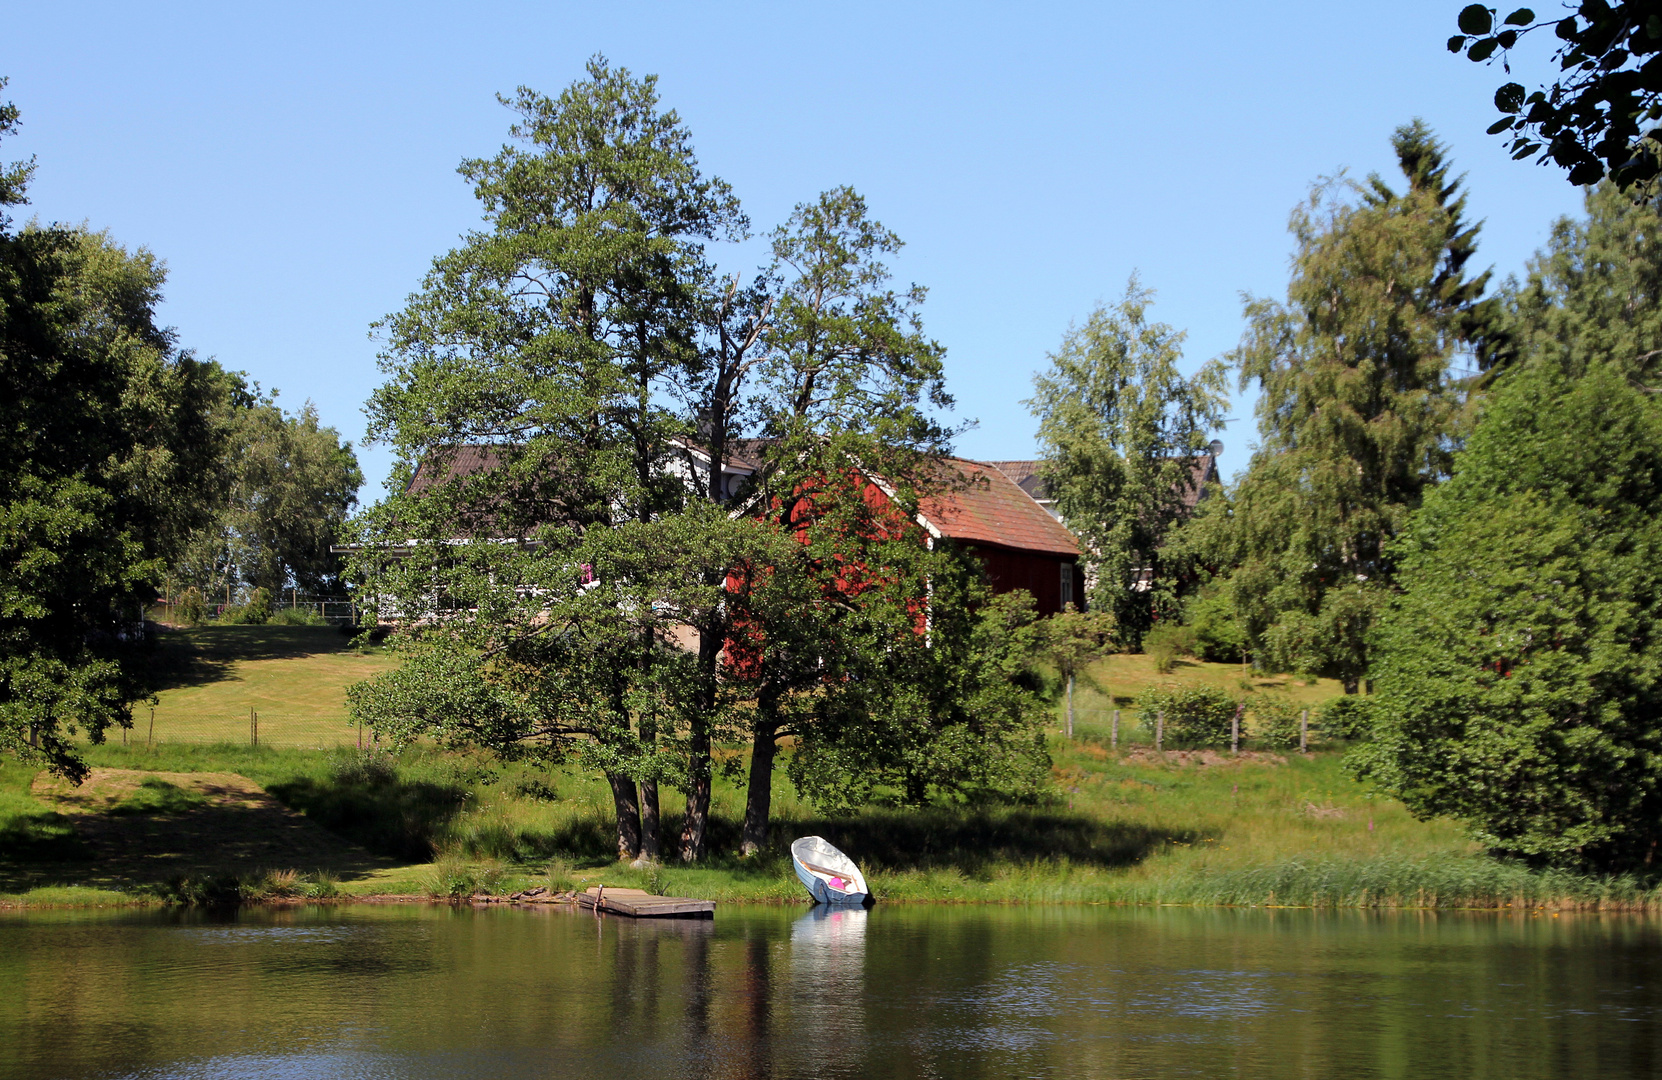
(1304, 732)
(1159, 729)
(1235, 729)
(1114, 732)
(1070, 706)
(150, 740)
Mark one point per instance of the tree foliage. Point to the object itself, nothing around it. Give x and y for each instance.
(107, 455)
(289, 484)
(1359, 410)
(1119, 427)
(1594, 295)
(1519, 670)
(568, 565)
(1598, 119)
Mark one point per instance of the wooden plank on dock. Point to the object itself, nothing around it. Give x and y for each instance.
(639, 904)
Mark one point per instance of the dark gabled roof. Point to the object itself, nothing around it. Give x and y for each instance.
(1203, 468)
(1026, 476)
(982, 505)
(459, 462)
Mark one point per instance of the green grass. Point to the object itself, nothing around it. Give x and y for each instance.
(1119, 826)
(1120, 680)
(208, 678)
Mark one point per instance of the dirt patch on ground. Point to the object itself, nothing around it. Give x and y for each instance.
(140, 827)
(1204, 758)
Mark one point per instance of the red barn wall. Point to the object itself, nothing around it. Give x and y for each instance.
(1037, 572)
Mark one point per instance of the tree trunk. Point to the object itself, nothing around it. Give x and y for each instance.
(628, 815)
(698, 790)
(649, 795)
(759, 798)
(1352, 684)
(649, 819)
(1070, 706)
(711, 637)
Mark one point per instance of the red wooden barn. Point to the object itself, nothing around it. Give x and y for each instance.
(1021, 545)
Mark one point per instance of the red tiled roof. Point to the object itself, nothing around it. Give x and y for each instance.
(989, 508)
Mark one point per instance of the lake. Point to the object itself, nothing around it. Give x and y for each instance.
(417, 991)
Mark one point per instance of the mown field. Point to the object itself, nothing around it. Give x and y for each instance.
(1118, 826)
(209, 678)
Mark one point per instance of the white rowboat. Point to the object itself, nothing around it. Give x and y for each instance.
(830, 876)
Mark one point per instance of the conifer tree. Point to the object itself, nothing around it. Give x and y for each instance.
(1359, 410)
(1594, 295)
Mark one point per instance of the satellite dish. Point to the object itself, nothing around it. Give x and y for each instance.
(1215, 446)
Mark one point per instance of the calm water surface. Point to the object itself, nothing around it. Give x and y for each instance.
(417, 992)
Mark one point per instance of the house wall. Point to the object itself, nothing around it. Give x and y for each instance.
(1037, 572)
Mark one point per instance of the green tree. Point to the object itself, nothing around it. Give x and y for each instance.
(106, 459)
(290, 484)
(1594, 295)
(844, 391)
(1597, 120)
(1519, 670)
(552, 339)
(1071, 640)
(1359, 411)
(1119, 427)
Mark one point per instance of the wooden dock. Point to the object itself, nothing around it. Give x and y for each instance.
(640, 904)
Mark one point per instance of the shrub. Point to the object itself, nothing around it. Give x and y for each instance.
(366, 768)
(1350, 717)
(560, 879)
(1166, 643)
(1218, 637)
(296, 617)
(1275, 723)
(1195, 715)
(190, 608)
(454, 879)
(255, 611)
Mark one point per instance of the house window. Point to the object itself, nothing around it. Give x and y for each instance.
(1067, 584)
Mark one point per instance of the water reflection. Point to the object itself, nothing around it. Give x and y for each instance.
(828, 977)
(417, 992)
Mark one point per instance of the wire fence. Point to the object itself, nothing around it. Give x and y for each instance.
(250, 726)
(330, 609)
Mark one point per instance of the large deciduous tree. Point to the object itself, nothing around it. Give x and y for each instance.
(1520, 668)
(1359, 409)
(844, 393)
(289, 484)
(1594, 295)
(107, 460)
(1119, 427)
(547, 341)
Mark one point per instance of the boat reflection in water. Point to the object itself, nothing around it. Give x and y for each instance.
(828, 981)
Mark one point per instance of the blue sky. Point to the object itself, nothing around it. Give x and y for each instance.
(295, 164)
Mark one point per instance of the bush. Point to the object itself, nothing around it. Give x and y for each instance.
(190, 608)
(1218, 637)
(454, 879)
(1350, 717)
(1195, 716)
(1275, 723)
(256, 611)
(296, 617)
(1166, 643)
(366, 768)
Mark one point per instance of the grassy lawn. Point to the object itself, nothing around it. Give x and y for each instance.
(1118, 681)
(295, 677)
(179, 820)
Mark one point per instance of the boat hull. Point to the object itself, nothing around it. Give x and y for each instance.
(816, 862)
